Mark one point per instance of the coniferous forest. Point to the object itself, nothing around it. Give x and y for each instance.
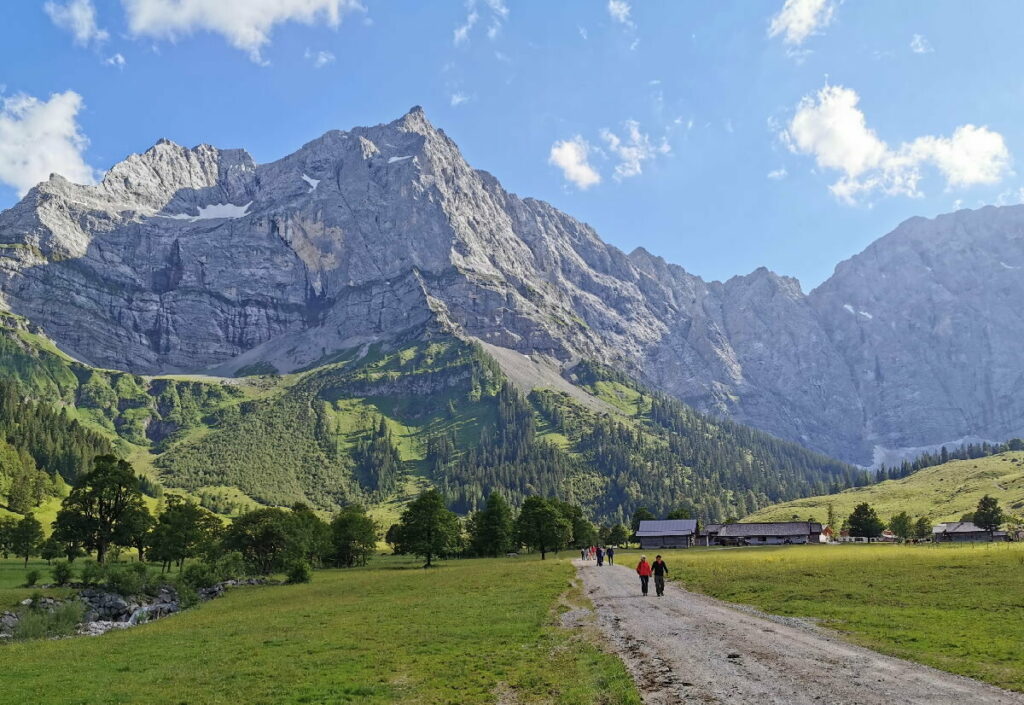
(360, 427)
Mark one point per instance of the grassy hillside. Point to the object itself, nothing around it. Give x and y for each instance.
(376, 425)
(941, 493)
(956, 608)
(479, 631)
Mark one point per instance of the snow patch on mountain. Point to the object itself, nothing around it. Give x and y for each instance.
(215, 211)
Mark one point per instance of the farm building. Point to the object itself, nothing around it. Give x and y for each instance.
(709, 537)
(670, 533)
(769, 533)
(964, 531)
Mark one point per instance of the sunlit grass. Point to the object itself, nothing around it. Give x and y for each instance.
(389, 633)
(958, 608)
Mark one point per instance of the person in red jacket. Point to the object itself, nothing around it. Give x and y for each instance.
(643, 569)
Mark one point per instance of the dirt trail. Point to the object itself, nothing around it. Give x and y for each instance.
(690, 648)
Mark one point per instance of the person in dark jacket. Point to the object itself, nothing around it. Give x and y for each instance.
(600, 556)
(660, 570)
(610, 555)
(643, 569)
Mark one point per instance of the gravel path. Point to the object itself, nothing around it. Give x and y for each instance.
(690, 648)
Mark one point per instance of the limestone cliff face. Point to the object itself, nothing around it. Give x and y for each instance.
(201, 260)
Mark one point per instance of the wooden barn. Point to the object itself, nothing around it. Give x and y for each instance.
(668, 533)
(769, 533)
(960, 531)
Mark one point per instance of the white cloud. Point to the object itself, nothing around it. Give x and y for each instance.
(920, 45)
(117, 60)
(778, 174)
(498, 15)
(583, 32)
(633, 150)
(319, 58)
(38, 138)
(830, 127)
(572, 157)
(77, 17)
(619, 10)
(799, 19)
(458, 98)
(461, 33)
(246, 24)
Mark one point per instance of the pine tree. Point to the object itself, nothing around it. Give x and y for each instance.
(493, 529)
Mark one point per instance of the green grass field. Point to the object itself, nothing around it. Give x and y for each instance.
(465, 632)
(957, 608)
(941, 493)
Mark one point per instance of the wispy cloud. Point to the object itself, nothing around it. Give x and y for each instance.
(117, 60)
(458, 98)
(633, 149)
(830, 127)
(920, 45)
(497, 14)
(319, 59)
(620, 11)
(79, 18)
(778, 174)
(799, 19)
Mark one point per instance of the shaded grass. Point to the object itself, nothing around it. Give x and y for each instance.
(388, 633)
(957, 608)
(12, 582)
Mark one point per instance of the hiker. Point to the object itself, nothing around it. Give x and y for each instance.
(660, 570)
(610, 555)
(583, 554)
(643, 569)
(600, 556)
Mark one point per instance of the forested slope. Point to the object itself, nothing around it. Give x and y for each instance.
(364, 426)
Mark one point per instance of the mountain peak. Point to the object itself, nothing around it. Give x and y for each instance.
(415, 121)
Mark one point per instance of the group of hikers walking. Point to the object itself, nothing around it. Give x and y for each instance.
(645, 570)
(598, 553)
(658, 569)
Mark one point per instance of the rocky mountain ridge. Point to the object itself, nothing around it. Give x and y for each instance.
(187, 260)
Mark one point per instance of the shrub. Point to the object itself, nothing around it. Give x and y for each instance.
(31, 578)
(230, 566)
(46, 624)
(299, 572)
(187, 596)
(199, 575)
(92, 572)
(126, 581)
(61, 572)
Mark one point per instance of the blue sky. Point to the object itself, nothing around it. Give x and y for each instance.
(720, 135)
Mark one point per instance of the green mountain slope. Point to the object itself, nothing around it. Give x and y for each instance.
(374, 426)
(942, 492)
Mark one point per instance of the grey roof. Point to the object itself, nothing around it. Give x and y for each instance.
(712, 528)
(667, 527)
(957, 527)
(775, 528)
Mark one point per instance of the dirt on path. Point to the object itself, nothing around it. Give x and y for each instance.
(690, 648)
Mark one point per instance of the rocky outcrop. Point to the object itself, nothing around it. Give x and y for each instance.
(188, 260)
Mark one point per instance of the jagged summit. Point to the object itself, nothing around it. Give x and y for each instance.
(199, 259)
